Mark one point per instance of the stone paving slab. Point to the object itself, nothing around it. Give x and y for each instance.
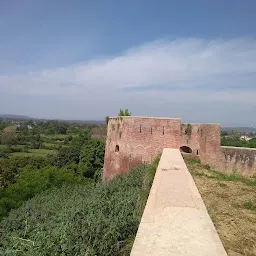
(175, 220)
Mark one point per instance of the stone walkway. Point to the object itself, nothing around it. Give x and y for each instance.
(175, 220)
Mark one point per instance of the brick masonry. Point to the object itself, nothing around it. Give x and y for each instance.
(242, 160)
(132, 140)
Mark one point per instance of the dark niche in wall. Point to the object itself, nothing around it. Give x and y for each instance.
(117, 148)
(185, 149)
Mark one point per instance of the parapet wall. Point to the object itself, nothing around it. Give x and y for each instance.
(175, 220)
(235, 159)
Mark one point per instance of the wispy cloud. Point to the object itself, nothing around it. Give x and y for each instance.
(193, 70)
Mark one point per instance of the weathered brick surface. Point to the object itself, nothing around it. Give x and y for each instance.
(140, 139)
(132, 140)
(209, 143)
(190, 134)
(241, 160)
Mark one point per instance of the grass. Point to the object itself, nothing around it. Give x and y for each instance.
(42, 151)
(57, 136)
(34, 152)
(18, 146)
(20, 154)
(50, 144)
(250, 205)
(3, 147)
(231, 203)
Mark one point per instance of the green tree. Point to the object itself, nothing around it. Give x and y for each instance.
(10, 168)
(92, 158)
(124, 112)
(82, 138)
(61, 128)
(37, 141)
(67, 156)
(234, 134)
(9, 136)
(4, 124)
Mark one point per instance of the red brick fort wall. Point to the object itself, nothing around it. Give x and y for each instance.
(132, 140)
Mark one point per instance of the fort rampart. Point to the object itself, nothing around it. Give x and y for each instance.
(132, 140)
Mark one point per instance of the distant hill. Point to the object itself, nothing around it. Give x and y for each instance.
(22, 117)
(85, 121)
(240, 129)
(16, 117)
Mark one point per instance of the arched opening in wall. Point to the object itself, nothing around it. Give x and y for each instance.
(185, 149)
(117, 148)
(197, 152)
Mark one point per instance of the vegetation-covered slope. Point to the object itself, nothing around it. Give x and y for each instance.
(37, 156)
(99, 219)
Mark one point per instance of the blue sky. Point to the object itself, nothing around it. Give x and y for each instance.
(87, 59)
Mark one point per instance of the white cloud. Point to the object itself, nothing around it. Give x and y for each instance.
(187, 70)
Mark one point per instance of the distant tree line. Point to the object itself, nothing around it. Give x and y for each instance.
(233, 138)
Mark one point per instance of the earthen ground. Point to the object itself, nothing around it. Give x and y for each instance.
(232, 207)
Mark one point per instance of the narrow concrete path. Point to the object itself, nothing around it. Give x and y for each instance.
(175, 220)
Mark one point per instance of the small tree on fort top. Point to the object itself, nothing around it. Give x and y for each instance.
(124, 112)
(121, 113)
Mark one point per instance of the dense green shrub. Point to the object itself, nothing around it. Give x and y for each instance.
(92, 158)
(66, 156)
(31, 182)
(11, 167)
(82, 139)
(78, 219)
(6, 150)
(3, 154)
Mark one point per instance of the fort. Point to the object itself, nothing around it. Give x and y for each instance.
(132, 140)
(175, 220)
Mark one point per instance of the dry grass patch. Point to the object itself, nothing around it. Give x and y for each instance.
(231, 203)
